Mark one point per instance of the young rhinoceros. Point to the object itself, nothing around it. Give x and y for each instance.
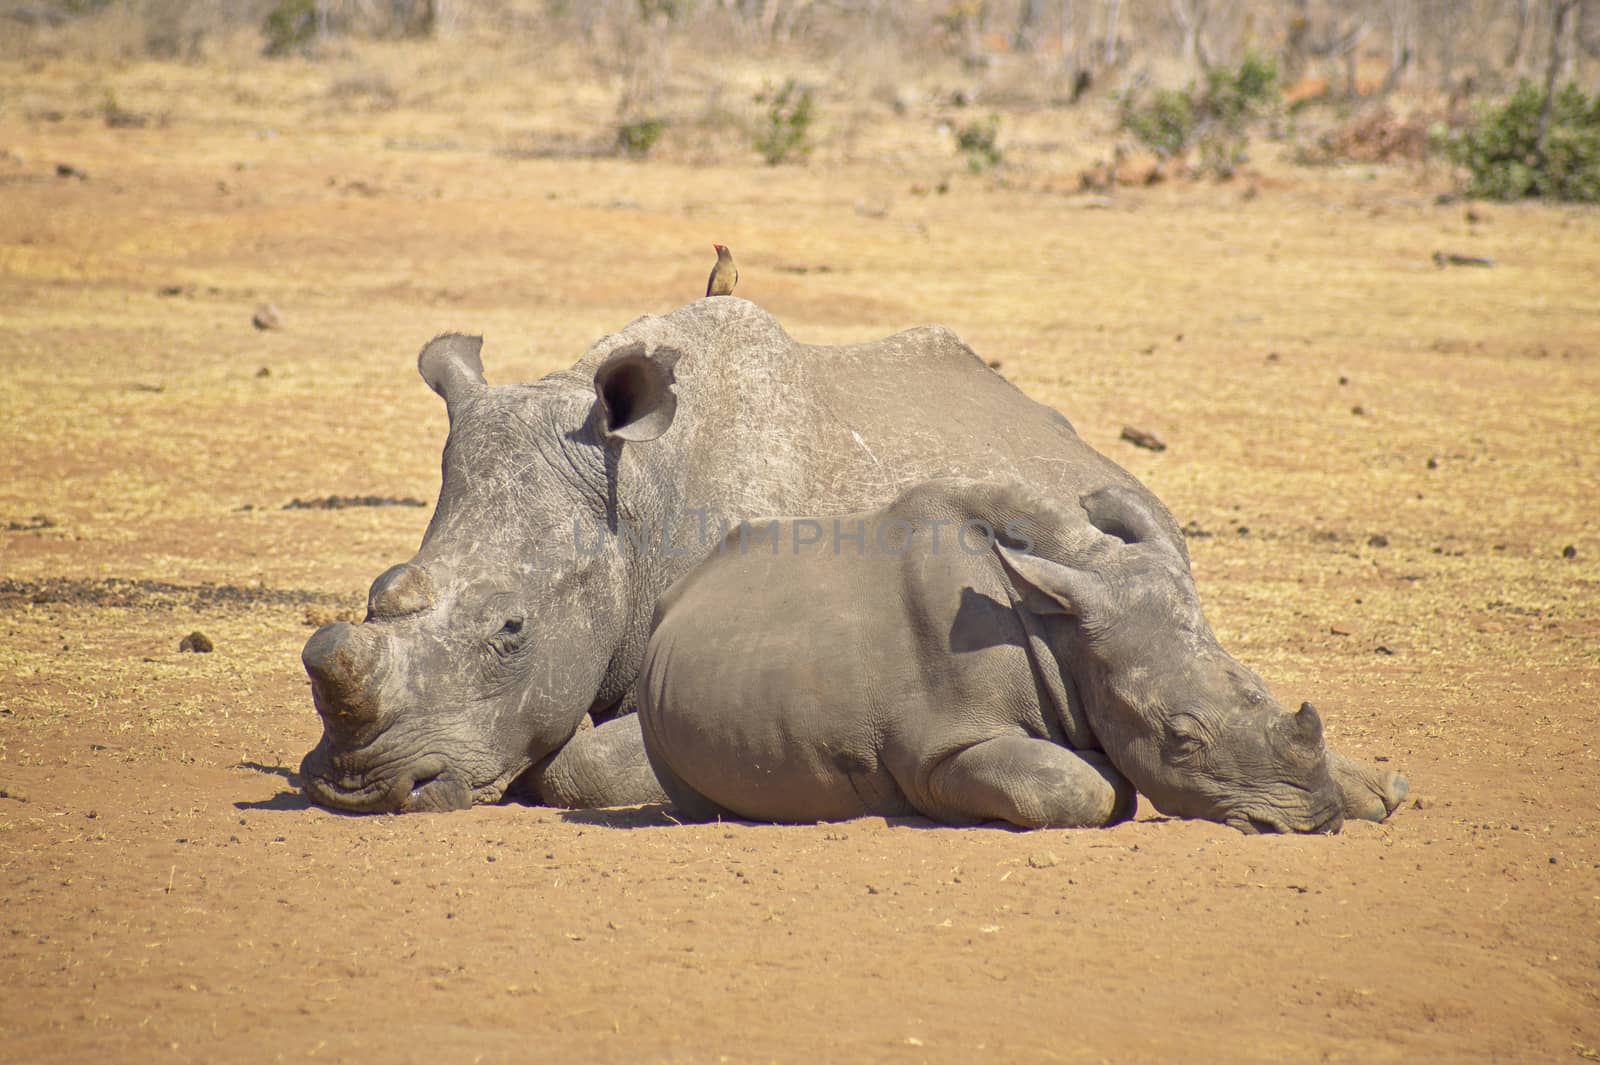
(974, 652)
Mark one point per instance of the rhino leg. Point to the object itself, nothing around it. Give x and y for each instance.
(687, 804)
(600, 766)
(1370, 793)
(1029, 782)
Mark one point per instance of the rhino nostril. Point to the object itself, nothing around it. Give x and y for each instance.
(436, 792)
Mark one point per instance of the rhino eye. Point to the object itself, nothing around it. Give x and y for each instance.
(508, 638)
(1185, 738)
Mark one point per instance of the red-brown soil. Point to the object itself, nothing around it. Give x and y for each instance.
(1382, 461)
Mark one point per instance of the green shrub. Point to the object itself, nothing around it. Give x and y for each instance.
(289, 27)
(1214, 116)
(1235, 97)
(1166, 124)
(782, 134)
(977, 141)
(1501, 154)
(636, 138)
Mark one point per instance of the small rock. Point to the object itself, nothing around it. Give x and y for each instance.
(1243, 530)
(1446, 258)
(1569, 552)
(1382, 650)
(1433, 463)
(994, 364)
(1140, 438)
(67, 170)
(1358, 410)
(11, 791)
(170, 290)
(1421, 804)
(1042, 860)
(1272, 356)
(1554, 860)
(267, 316)
(264, 372)
(1343, 380)
(1377, 540)
(197, 642)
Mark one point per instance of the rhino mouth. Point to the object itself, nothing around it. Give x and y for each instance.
(1252, 824)
(428, 785)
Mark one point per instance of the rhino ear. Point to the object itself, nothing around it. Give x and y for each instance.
(635, 400)
(1048, 587)
(1126, 513)
(451, 366)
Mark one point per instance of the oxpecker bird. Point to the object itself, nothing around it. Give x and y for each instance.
(724, 275)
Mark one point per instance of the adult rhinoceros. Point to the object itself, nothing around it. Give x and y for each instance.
(505, 651)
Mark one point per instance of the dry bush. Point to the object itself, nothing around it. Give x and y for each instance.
(1376, 136)
(112, 30)
(1009, 48)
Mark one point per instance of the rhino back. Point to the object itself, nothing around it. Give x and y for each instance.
(772, 426)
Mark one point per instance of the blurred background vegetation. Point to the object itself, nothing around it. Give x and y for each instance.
(1506, 93)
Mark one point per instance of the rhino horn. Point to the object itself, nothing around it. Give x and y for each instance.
(1300, 733)
(398, 591)
(1308, 725)
(341, 662)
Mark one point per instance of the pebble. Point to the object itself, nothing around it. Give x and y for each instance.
(197, 642)
(267, 316)
(1042, 860)
(1140, 438)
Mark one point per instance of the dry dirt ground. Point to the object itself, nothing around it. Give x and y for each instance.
(1380, 461)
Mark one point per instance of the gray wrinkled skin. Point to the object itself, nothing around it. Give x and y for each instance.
(500, 658)
(1039, 678)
